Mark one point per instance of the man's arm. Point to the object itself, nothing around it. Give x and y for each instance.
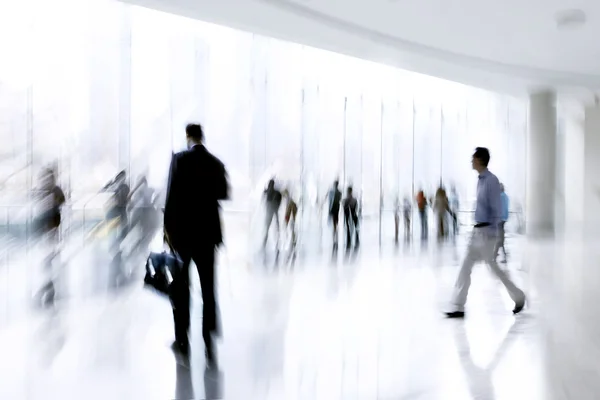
(223, 187)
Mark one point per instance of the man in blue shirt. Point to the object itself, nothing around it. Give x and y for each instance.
(488, 215)
(504, 216)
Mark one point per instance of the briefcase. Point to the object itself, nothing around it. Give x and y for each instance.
(163, 271)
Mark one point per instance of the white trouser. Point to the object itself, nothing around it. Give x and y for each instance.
(481, 248)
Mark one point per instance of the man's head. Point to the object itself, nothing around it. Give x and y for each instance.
(194, 134)
(271, 184)
(336, 184)
(349, 191)
(481, 159)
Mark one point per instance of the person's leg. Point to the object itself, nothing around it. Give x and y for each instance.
(455, 222)
(348, 230)
(277, 227)
(181, 304)
(336, 223)
(205, 262)
(293, 229)
(356, 229)
(515, 293)
(268, 221)
(463, 281)
(396, 226)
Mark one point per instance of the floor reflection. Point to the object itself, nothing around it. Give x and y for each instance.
(367, 325)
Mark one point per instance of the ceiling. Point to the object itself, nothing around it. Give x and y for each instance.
(509, 45)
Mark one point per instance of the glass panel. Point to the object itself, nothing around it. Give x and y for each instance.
(112, 87)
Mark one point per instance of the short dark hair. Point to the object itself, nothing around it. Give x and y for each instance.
(483, 155)
(195, 132)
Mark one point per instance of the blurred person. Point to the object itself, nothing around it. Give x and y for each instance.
(272, 199)
(144, 213)
(454, 206)
(483, 240)
(407, 217)
(291, 211)
(441, 206)
(334, 198)
(350, 205)
(422, 206)
(117, 205)
(49, 199)
(197, 183)
(501, 231)
(396, 218)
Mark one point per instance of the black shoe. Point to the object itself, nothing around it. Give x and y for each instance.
(455, 314)
(519, 307)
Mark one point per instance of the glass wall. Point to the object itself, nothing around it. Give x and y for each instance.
(97, 86)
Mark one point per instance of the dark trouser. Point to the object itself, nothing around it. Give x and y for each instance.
(455, 222)
(351, 226)
(334, 215)
(272, 213)
(424, 228)
(204, 258)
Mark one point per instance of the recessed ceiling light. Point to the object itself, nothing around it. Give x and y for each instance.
(570, 19)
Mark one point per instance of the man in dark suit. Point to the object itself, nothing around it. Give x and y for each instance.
(197, 182)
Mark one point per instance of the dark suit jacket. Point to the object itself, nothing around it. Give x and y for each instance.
(197, 181)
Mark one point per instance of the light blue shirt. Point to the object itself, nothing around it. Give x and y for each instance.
(504, 198)
(489, 202)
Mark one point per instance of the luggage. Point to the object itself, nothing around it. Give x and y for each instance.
(162, 273)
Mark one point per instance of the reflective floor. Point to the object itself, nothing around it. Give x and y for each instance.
(359, 325)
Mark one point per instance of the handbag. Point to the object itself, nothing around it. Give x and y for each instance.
(163, 271)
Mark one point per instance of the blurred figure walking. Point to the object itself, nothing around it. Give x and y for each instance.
(334, 198)
(272, 204)
(454, 206)
(396, 218)
(407, 217)
(501, 231)
(291, 211)
(197, 183)
(483, 241)
(422, 205)
(144, 213)
(442, 209)
(49, 198)
(117, 207)
(351, 219)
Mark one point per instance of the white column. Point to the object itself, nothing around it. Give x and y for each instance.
(591, 203)
(541, 164)
(574, 170)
